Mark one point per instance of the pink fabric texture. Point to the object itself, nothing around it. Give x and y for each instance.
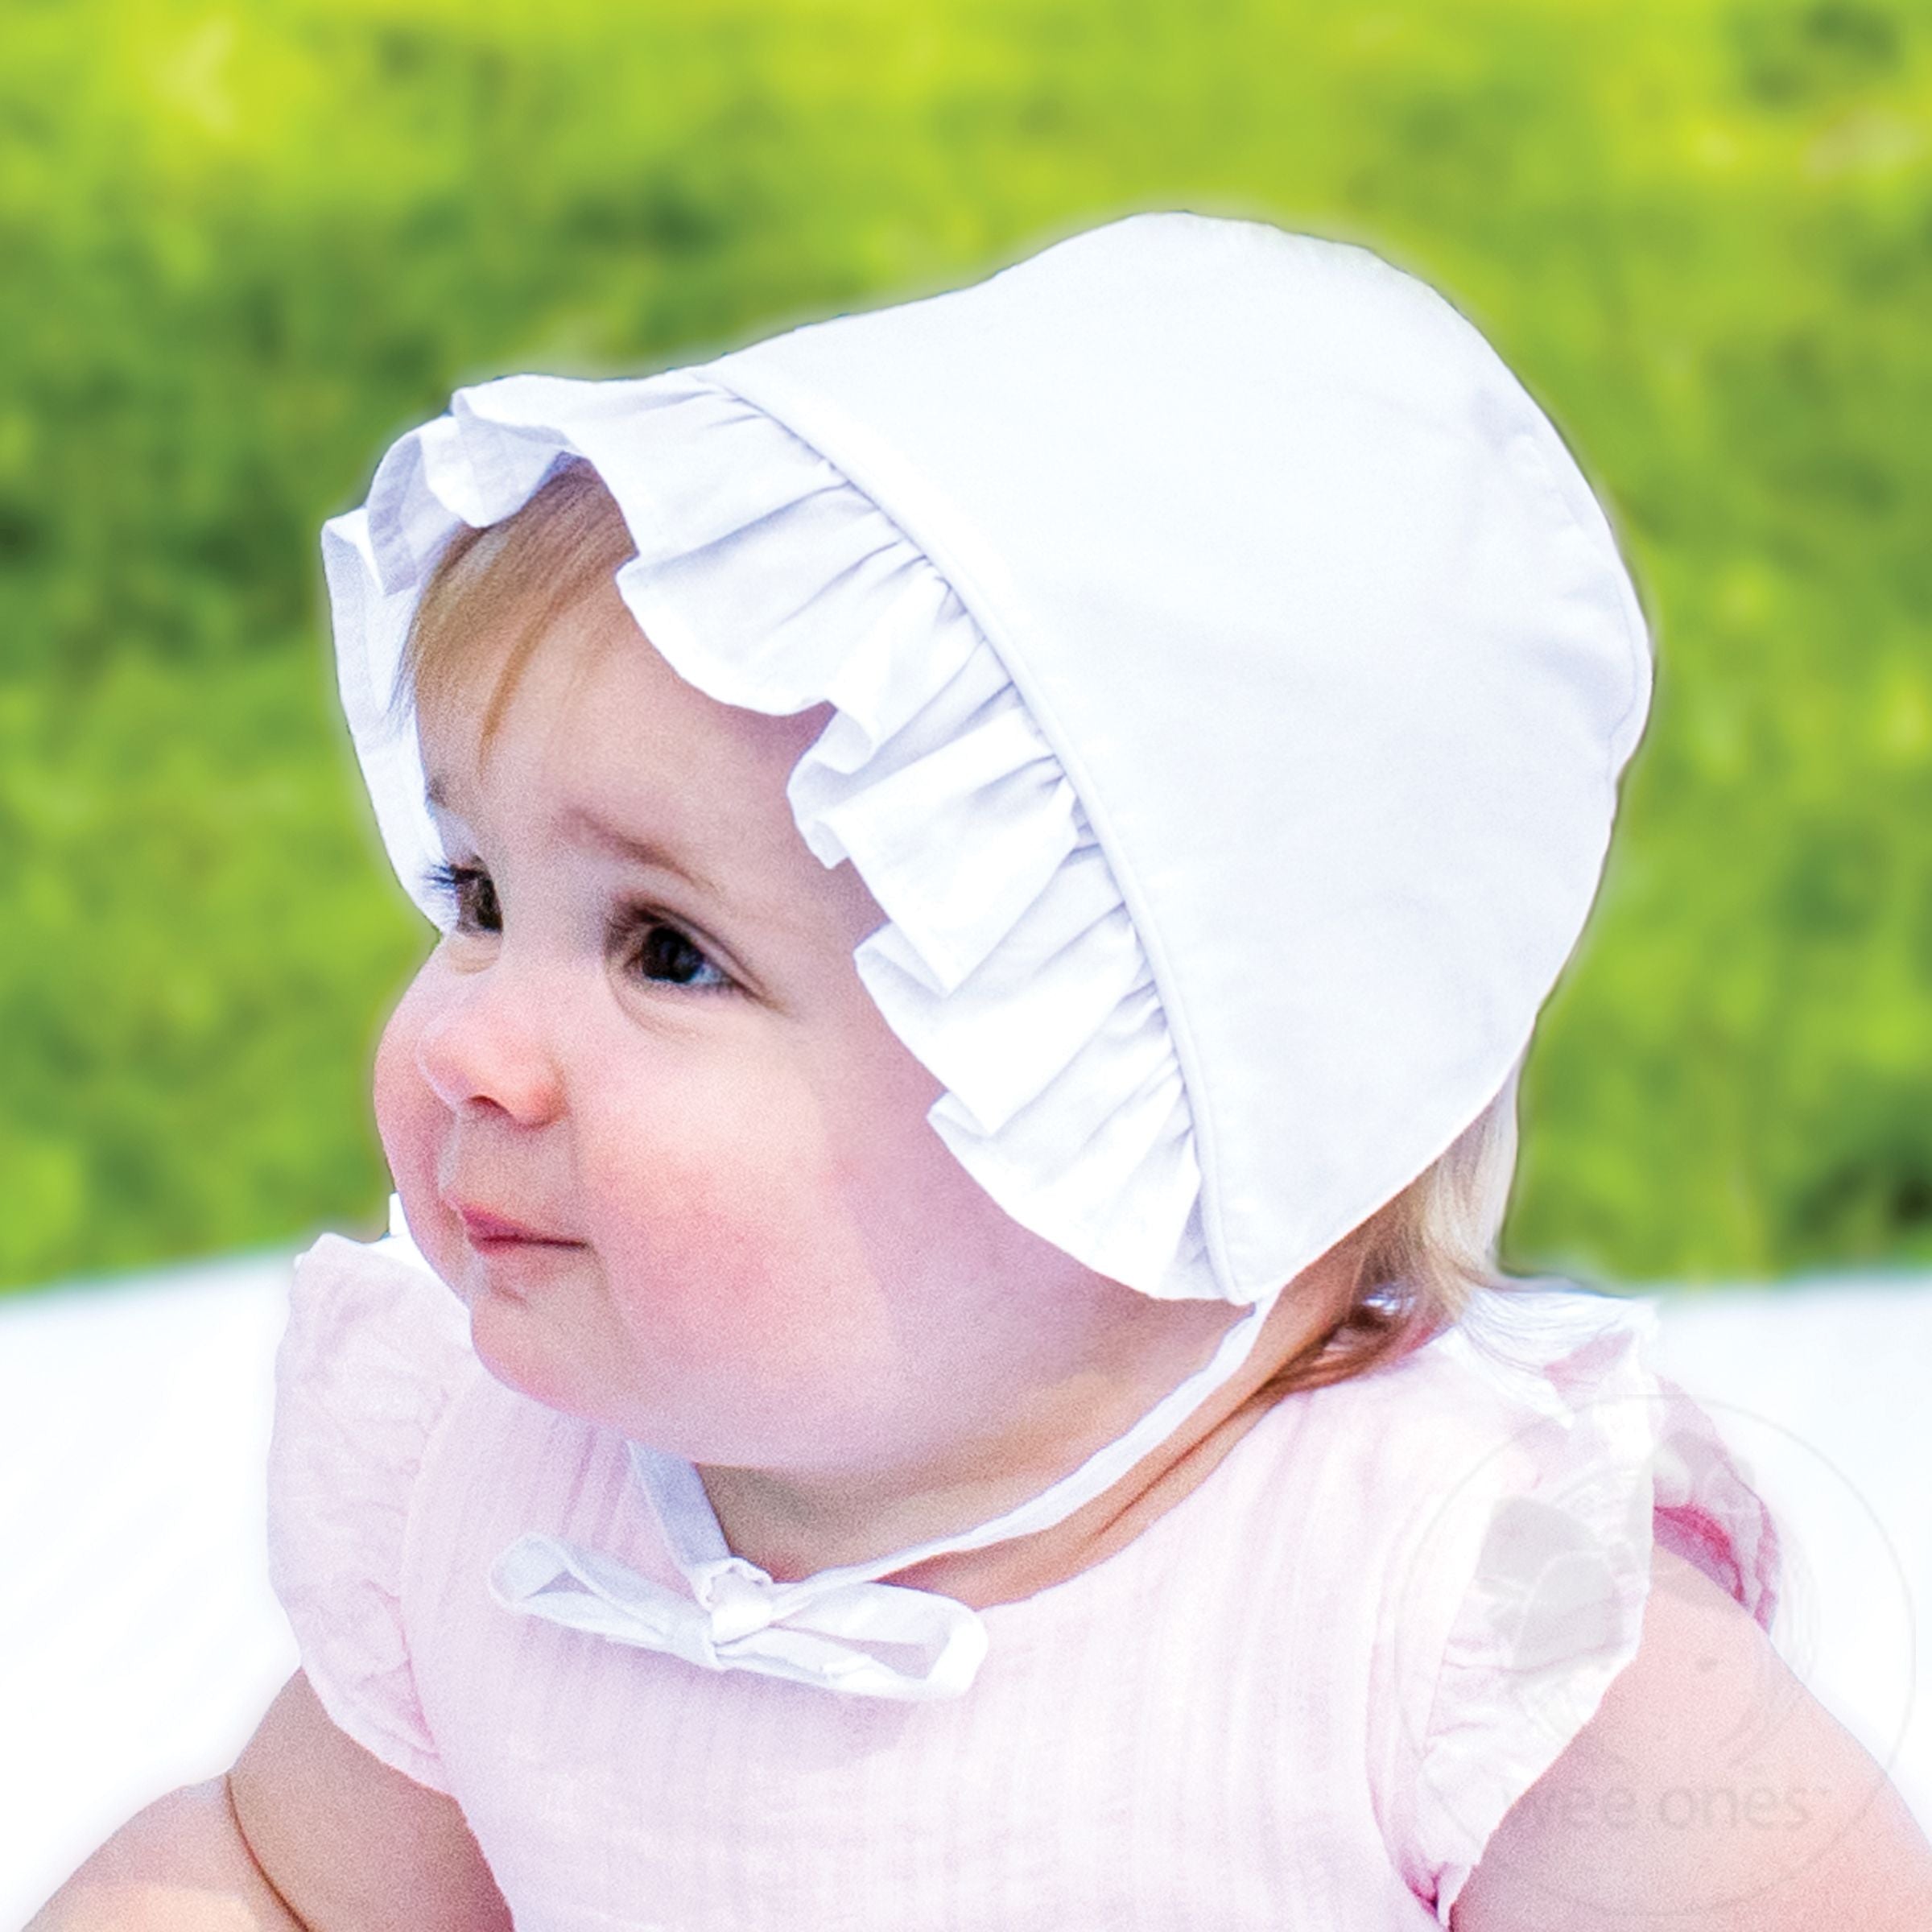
(1306, 1695)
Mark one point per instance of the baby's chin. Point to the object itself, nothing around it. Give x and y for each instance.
(527, 1352)
(539, 1347)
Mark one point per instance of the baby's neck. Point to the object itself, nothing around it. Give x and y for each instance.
(793, 1527)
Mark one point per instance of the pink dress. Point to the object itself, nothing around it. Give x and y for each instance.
(1304, 1697)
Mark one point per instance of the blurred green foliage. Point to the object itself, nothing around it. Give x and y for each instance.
(240, 248)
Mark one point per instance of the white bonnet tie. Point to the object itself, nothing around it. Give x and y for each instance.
(866, 1638)
(1230, 673)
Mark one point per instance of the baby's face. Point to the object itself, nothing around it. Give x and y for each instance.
(649, 1126)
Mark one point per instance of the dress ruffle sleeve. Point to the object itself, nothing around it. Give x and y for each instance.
(1526, 1584)
(375, 1347)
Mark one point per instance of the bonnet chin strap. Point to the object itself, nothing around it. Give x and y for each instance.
(840, 1629)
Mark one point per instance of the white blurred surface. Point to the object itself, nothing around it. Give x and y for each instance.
(139, 1643)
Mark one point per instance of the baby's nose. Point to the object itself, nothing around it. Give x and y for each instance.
(489, 1044)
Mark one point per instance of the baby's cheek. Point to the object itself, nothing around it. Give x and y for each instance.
(738, 1263)
(409, 1120)
(396, 1107)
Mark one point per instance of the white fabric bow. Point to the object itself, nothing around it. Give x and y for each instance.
(836, 1630)
(874, 1640)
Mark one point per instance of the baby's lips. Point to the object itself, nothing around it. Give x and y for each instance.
(484, 1225)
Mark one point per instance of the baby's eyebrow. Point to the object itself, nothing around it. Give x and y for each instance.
(579, 823)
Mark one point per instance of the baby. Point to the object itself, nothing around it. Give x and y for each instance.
(936, 1362)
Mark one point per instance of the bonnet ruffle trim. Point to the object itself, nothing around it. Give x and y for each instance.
(1008, 963)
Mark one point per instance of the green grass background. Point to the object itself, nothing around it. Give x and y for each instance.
(241, 248)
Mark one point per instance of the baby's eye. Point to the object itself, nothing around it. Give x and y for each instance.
(668, 956)
(659, 953)
(470, 894)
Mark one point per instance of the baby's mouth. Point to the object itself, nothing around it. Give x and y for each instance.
(489, 1233)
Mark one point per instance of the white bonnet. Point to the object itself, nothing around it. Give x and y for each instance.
(1232, 670)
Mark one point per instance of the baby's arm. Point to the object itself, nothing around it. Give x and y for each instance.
(308, 1833)
(1712, 1792)
(180, 1866)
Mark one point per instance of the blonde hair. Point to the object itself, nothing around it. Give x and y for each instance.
(525, 573)
(1417, 1260)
